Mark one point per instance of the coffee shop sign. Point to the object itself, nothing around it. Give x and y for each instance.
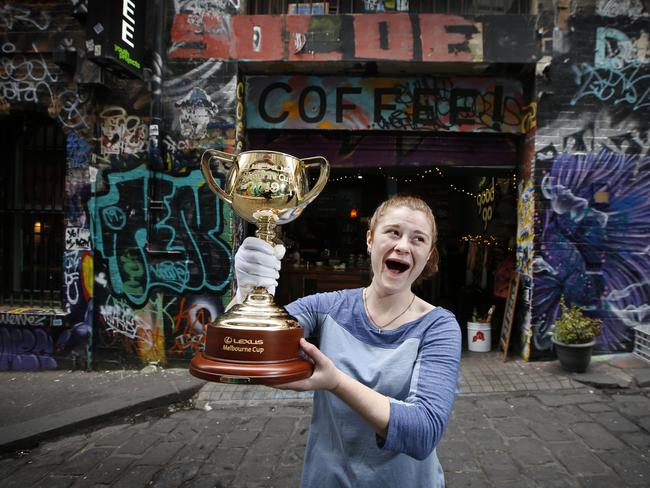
(459, 104)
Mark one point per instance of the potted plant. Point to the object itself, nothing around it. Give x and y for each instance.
(574, 336)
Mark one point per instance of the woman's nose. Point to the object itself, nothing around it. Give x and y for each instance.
(402, 244)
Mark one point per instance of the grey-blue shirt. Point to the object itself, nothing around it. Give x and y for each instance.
(415, 365)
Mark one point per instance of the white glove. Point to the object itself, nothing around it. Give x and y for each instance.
(257, 263)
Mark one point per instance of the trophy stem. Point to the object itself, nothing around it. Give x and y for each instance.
(266, 229)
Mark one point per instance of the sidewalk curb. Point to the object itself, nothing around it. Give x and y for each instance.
(29, 433)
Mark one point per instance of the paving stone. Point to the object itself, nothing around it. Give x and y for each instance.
(605, 481)
(113, 436)
(576, 458)
(496, 408)
(559, 399)
(285, 476)
(630, 466)
(135, 476)
(174, 475)
(139, 443)
(641, 376)
(241, 436)
(109, 470)
(550, 430)
(281, 425)
(160, 453)
(615, 422)
(529, 452)
(534, 414)
(605, 376)
(257, 468)
(9, 465)
(199, 449)
(640, 440)
(212, 480)
(632, 405)
(55, 482)
(522, 482)
(226, 458)
(486, 439)
(551, 476)
(456, 456)
(26, 477)
(512, 427)
(596, 436)
(468, 480)
(595, 407)
(84, 461)
(499, 468)
(164, 426)
(644, 423)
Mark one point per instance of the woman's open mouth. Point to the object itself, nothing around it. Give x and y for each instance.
(397, 267)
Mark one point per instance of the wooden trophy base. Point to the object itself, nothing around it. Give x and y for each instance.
(254, 355)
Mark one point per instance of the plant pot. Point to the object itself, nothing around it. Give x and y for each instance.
(574, 357)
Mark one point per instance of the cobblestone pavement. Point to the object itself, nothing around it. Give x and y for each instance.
(515, 424)
(576, 437)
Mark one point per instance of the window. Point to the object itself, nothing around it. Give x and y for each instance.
(32, 179)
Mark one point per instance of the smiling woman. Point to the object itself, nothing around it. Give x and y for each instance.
(386, 365)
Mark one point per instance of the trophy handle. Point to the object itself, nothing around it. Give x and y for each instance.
(207, 174)
(322, 178)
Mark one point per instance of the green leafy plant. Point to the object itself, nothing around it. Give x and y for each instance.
(574, 327)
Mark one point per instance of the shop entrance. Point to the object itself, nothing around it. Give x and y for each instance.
(475, 206)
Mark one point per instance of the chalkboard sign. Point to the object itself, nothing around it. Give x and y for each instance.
(508, 315)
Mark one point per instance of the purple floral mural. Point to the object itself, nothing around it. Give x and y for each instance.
(594, 244)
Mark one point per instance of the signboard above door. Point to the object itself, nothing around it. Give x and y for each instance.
(455, 104)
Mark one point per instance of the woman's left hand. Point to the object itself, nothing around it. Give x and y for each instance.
(326, 376)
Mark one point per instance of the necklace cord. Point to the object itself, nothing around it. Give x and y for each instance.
(381, 327)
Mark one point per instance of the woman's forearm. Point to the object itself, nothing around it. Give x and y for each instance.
(373, 407)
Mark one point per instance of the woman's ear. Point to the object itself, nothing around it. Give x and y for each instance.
(369, 241)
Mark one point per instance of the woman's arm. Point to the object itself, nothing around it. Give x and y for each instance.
(370, 405)
(412, 426)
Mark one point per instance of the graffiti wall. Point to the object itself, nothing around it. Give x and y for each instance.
(592, 174)
(147, 247)
(50, 336)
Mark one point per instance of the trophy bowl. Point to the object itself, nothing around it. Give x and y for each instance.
(257, 342)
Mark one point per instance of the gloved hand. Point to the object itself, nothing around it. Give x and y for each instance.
(257, 263)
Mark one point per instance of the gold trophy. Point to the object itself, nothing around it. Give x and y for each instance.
(257, 342)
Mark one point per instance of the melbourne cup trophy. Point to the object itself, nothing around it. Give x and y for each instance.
(257, 342)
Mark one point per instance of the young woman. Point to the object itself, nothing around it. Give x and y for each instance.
(387, 363)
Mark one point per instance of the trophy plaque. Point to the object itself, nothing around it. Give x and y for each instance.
(257, 342)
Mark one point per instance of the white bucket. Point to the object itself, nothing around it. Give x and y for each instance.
(479, 336)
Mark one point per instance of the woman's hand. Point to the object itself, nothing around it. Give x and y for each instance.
(326, 376)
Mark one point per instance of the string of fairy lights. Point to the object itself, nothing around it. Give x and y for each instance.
(420, 175)
(479, 239)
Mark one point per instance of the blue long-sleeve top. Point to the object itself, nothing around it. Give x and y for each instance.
(415, 365)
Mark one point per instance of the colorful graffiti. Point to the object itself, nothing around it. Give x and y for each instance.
(33, 80)
(525, 231)
(191, 255)
(336, 103)
(594, 243)
(616, 75)
(615, 8)
(33, 338)
(139, 331)
(202, 111)
(193, 316)
(16, 17)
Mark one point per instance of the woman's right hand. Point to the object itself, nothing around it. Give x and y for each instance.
(257, 263)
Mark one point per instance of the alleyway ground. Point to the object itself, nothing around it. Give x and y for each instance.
(515, 424)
